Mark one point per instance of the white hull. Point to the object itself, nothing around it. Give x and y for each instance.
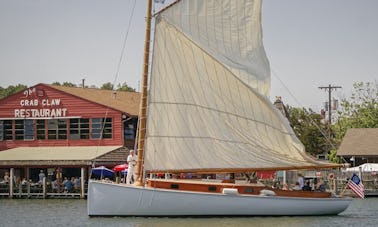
(107, 199)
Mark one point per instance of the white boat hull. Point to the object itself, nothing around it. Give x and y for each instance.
(108, 199)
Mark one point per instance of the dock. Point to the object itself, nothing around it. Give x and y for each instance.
(37, 191)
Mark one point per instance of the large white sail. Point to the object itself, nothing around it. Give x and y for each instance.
(207, 105)
(208, 112)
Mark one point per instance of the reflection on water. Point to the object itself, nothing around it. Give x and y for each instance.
(72, 212)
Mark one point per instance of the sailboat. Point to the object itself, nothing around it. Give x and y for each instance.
(206, 110)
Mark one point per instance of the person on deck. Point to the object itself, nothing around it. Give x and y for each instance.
(307, 186)
(300, 180)
(67, 185)
(297, 187)
(321, 186)
(131, 161)
(41, 175)
(6, 177)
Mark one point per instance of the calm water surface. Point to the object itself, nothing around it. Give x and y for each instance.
(72, 212)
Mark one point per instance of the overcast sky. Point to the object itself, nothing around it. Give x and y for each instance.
(309, 44)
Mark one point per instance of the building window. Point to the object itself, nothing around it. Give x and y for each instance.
(7, 134)
(62, 129)
(41, 129)
(57, 129)
(52, 129)
(129, 132)
(79, 128)
(1, 130)
(19, 129)
(29, 129)
(102, 128)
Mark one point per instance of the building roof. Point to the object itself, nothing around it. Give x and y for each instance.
(127, 102)
(70, 155)
(359, 142)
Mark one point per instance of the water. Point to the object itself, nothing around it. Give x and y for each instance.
(72, 212)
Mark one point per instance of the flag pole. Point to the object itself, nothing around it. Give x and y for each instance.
(344, 189)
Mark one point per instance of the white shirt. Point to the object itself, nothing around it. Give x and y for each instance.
(132, 160)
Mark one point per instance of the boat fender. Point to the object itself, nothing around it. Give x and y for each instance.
(265, 192)
(230, 191)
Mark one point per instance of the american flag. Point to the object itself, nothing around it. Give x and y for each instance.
(356, 185)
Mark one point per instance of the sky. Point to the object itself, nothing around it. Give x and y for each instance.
(308, 43)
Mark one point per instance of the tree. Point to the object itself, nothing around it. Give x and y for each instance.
(125, 87)
(359, 111)
(120, 87)
(4, 92)
(56, 83)
(309, 129)
(107, 86)
(64, 84)
(332, 156)
(68, 84)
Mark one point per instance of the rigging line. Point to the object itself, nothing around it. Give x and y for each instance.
(287, 89)
(297, 101)
(124, 43)
(116, 75)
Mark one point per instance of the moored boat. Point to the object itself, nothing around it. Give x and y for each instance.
(209, 112)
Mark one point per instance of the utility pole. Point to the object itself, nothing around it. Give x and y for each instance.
(329, 89)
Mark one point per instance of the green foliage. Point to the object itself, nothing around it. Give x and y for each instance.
(64, 84)
(68, 84)
(309, 129)
(10, 90)
(120, 87)
(56, 83)
(359, 111)
(107, 86)
(332, 157)
(125, 87)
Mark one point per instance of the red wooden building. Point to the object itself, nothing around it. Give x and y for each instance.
(69, 121)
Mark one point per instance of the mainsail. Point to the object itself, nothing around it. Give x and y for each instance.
(208, 106)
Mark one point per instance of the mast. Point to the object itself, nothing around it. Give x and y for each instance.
(143, 104)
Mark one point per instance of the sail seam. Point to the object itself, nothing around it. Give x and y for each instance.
(219, 111)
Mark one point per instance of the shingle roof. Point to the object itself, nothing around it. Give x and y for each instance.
(124, 101)
(359, 142)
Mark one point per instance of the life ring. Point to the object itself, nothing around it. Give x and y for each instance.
(331, 176)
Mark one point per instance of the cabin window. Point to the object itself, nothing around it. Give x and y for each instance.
(102, 128)
(19, 129)
(41, 129)
(212, 188)
(248, 190)
(174, 186)
(79, 128)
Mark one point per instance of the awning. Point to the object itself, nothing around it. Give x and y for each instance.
(58, 156)
(366, 167)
